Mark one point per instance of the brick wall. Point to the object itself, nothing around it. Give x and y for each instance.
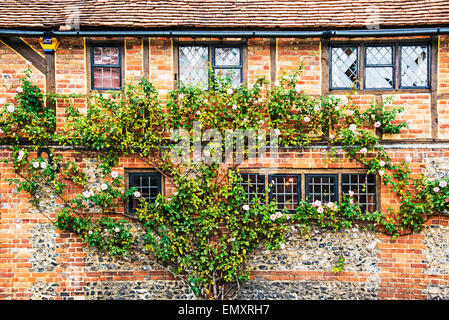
(36, 261)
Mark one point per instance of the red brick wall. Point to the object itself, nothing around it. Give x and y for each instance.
(402, 263)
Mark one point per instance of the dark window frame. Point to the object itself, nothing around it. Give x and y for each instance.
(211, 44)
(321, 175)
(392, 65)
(302, 181)
(91, 45)
(376, 193)
(397, 44)
(285, 175)
(130, 175)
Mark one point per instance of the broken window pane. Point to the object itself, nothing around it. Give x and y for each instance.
(344, 71)
(414, 66)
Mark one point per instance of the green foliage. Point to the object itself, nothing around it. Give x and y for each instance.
(204, 233)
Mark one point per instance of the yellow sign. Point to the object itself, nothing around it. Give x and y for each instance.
(49, 44)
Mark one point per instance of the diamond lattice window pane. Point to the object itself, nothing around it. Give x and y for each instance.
(193, 65)
(414, 66)
(234, 74)
(344, 67)
(227, 57)
(379, 77)
(379, 55)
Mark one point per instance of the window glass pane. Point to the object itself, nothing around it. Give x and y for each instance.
(379, 55)
(234, 74)
(364, 188)
(344, 66)
(149, 186)
(193, 65)
(227, 57)
(414, 66)
(322, 188)
(254, 186)
(106, 55)
(378, 77)
(284, 191)
(106, 78)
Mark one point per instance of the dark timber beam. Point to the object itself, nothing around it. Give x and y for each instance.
(23, 49)
(46, 65)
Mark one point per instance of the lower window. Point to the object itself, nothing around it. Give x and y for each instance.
(149, 186)
(285, 189)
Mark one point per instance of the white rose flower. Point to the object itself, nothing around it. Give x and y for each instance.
(273, 217)
(35, 165)
(19, 89)
(442, 184)
(246, 207)
(91, 193)
(234, 107)
(436, 189)
(261, 122)
(104, 186)
(10, 108)
(278, 215)
(277, 131)
(229, 91)
(377, 124)
(137, 194)
(382, 163)
(317, 203)
(282, 246)
(198, 113)
(117, 229)
(114, 174)
(381, 172)
(207, 153)
(320, 209)
(316, 108)
(363, 150)
(351, 193)
(306, 119)
(353, 128)
(86, 194)
(43, 165)
(276, 83)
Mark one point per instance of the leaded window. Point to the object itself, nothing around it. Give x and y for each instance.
(285, 190)
(322, 187)
(363, 187)
(344, 67)
(106, 67)
(414, 66)
(226, 61)
(379, 67)
(148, 184)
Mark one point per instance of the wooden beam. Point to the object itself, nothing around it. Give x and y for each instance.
(434, 87)
(146, 58)
(324, 67)
(273, 55)
(23, 49)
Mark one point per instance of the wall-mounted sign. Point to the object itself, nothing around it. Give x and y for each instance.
(49, 44)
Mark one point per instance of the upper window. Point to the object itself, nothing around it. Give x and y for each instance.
(106, 67)
(224, 60)
(377, 65)
(148, 184)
